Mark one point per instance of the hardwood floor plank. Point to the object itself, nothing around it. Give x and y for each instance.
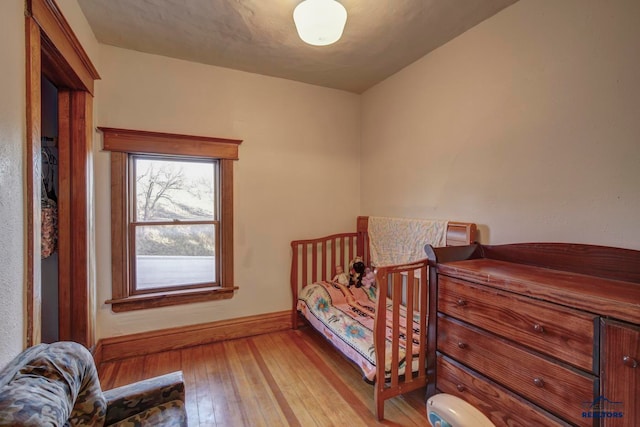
(162, 363)
(288, 381)
(191, 398)
(227, 403)
(322, 384)
(107, 373)
(197, 393)
(286, 378)
(256, 396)
(290, 416)
(398, 409)
(336, 380)
(195, 359)
(129, 371)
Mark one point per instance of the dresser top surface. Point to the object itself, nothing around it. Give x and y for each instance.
(606, 297)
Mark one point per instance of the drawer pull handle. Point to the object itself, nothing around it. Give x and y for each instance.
(539, 382)
(462, 344)
(461, 388)
(538, 328)
(627, 360)
(461, 302)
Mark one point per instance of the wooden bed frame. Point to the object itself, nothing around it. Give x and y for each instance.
(314, 260)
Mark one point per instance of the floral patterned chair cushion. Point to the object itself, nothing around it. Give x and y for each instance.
(57, 385)
(52, 385)
(157, 401)
(168, 414)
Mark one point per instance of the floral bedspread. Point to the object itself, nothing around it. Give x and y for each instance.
(346, 317)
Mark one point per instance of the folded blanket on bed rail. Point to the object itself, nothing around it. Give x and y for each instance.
(396, 241)
(346, 318)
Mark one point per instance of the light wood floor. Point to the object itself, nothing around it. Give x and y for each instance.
(289, 378)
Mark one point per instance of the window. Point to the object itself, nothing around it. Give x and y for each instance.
(175, 226)
(171, 218)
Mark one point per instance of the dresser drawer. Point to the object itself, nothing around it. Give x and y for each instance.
(501, 406)
(563, 333)
(556, 388)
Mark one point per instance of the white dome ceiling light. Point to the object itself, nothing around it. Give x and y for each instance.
(320, 22)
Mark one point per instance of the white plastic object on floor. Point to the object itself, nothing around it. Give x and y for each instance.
(446, 410)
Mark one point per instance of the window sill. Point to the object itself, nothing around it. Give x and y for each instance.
(164, 299)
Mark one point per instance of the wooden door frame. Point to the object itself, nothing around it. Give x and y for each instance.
(53, 50)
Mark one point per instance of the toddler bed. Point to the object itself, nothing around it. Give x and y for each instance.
(370, 330)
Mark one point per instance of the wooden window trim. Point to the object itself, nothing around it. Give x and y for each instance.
(144, 142)
(121, 143)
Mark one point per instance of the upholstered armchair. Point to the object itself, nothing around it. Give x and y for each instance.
(57, 385)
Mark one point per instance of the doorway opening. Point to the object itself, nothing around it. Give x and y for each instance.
(49, 255)
(54, 52)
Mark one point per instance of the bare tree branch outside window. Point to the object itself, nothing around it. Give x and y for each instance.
(178, 191)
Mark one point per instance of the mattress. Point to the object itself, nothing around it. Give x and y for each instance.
(346, 315)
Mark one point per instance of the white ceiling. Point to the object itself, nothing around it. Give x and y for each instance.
(380, 38)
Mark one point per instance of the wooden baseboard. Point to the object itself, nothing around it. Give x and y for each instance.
(144, 343)
(96, 351)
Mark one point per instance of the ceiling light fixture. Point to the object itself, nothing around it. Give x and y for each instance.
(320, 22)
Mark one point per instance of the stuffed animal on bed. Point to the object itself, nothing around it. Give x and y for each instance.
(341, 277)
(356, 272)
(369, 278)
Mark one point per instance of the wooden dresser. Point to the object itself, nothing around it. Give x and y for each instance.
(539, 334)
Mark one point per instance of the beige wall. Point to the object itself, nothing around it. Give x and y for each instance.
(527, 124)
(297, 177)
(12, 137)
(12, 169)
(81, 28)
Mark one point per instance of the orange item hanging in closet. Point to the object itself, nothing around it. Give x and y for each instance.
(49, 218)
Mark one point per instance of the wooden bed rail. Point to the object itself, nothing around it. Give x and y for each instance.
(316, 259)
(406, 288)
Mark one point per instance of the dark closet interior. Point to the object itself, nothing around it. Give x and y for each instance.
(49, 208)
